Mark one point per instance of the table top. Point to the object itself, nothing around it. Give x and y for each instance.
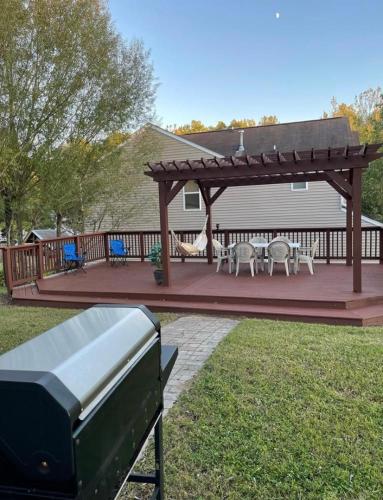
(292, 244)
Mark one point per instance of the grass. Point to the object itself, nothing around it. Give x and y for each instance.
(18, 324)
(281, 410)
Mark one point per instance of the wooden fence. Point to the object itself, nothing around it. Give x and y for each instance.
(27, 263)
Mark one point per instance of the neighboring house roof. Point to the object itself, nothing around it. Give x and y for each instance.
(185, 140)
(322, 133)
(46, 234)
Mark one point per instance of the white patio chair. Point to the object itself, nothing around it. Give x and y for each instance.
(222, 253)
(278, 252)
(308, 256)
(244, 253)
(281, 238)
(259, 252)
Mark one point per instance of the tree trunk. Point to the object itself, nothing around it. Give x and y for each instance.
(19, 226)
(59, 223)
(8, 216)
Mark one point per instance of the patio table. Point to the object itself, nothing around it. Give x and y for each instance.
(294, 246)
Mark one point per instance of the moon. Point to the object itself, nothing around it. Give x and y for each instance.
(277, 14)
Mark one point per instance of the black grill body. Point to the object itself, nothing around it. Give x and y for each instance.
(78, 403)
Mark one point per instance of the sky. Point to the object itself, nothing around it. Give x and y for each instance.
(219, 60)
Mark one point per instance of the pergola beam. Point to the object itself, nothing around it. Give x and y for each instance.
(338, 179)
(266, 179)
(224, 172)
(172, 193)
(217, 194)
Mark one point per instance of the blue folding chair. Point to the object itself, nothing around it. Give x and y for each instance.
(71, 259)
(118, 252)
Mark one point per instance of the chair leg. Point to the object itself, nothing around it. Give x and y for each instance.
(218, 264)
(230, 263)
(310, 266)
(271, 265)
(256, 265)
(252, 268)
(237, 270)
(287, 267)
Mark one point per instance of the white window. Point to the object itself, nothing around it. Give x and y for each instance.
(299, 186)
(192, 196)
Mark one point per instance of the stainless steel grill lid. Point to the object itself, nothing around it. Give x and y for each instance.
(87, 351)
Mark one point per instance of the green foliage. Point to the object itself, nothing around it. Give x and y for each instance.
(280, 410)
(366, 117)
(198, 126)
(155, 255)
(242, 123)
(66, 78)
(268, 120)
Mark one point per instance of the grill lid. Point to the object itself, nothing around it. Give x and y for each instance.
(87, 351)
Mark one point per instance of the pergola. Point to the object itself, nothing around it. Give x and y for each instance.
(341, 168)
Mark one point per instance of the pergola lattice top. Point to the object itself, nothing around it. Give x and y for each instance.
(266, 168)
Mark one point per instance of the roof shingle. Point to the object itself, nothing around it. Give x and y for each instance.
(322, 133)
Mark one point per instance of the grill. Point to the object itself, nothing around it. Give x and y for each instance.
(78, 403)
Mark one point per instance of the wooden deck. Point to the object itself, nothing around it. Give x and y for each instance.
(324, 297)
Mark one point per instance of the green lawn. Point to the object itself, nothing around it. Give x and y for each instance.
(281, 410)
(18, 324)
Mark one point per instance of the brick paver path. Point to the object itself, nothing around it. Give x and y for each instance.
(196, 338)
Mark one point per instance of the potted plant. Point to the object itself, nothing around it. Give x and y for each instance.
(155, 257)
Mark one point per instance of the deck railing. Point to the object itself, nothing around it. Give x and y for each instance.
(27, 263)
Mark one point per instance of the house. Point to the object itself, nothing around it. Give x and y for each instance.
(44, 234)
(292, 205)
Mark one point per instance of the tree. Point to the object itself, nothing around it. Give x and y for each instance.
(220, 125)
(188, 128)
(268, 120)
(366, 117)
(66, 77)
(243, 123)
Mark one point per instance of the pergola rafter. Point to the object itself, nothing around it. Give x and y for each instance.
(340, 167)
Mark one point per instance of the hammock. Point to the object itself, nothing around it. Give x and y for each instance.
(191, 249)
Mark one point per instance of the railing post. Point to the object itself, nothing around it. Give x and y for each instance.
(77, 243)
(106, 246)
(7, 267)
(182, 239)
(381, 245)
(226, 238)
(274, 234)
(142, 247)
(328, 236)
(40, 260)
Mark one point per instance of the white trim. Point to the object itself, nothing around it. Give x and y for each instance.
(191, 192)
(184, 141)
(373, 222)
(299, 189)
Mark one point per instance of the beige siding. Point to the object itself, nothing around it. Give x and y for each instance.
(273, 206)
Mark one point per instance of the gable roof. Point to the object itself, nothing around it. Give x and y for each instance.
(46, 234)
(185, 140)
(304, 135)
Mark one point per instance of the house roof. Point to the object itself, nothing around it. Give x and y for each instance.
(322, 133)
(184, 140)
(46, 234)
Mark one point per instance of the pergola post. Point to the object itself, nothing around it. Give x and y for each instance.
(357, 229)
(164, 224)
(348, 232)
(209, 231)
